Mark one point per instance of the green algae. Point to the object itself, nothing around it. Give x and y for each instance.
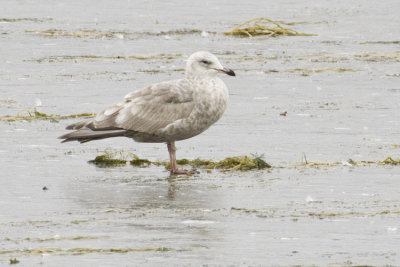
(239, 163)
(368, 56)
(7, 101)
(105, 160)
(50, 239)
(378, 56)
(352, 213)
(108, 159)
(380, 42)
(14, 261)
(138, 162)
(265, 213)
(318, 70)
(263, 26)
(83, 251)
(69, 58)
(24, 19)
(350, 162)
(79, 221)
(178, 32)
(78, 34)
(245, 210)
(301, 22)
(150, 71)
(97, 34)
(36, 115)
(119, 158)
(179, 70)
(389, 161)
(242, 163)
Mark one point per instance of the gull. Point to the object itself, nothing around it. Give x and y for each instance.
(164, 112)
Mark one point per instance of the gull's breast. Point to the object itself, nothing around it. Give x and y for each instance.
(210, 103)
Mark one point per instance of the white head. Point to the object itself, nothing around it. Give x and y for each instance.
(203, 63)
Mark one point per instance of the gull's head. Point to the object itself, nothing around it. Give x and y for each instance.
(205, 64)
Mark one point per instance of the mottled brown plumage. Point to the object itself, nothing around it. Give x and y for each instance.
(163, 112)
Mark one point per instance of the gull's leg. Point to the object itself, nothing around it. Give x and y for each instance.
(172, 160)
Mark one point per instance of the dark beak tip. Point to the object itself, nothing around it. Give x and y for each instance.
(231, 73)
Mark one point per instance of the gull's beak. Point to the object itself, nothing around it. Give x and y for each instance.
(228, 71)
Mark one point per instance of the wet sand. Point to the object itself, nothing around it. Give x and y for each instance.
(339, 89)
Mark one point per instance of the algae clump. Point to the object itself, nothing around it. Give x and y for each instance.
(263, 26)
(107, 160)
(350, 162)
(36, 115)
(242, 163)
(67, 58)
(389, 161)
(118, 158)
(138, 162)
(318, 70)
(14, 261)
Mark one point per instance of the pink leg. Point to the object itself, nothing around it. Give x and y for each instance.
(172, 161)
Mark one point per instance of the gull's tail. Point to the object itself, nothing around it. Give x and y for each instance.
(86, 135)
(85, 132)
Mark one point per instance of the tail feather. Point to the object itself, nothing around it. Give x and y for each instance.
(85, 135)
(79, 125)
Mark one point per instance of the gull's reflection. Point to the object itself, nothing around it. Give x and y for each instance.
(138, 192)
(171, 189)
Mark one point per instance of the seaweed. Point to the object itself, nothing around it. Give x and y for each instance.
(78, 34)
(178, 32)
(244, 210)
(14, 261)
(350, 162)
(263, 26)
(79, 221)
(57, 238)
(317, 70)
(24, 19)
(369, 56)
(119, 158)
(36, 115)
(322, 215)
(179, 70)
(389, 161)
(7, 101)
(378, 56)
(87, 33)
(379, 42)
(301, 22)
(66, 58)
(152, 71)
(108, 159)
(83, 250)
(138, 162)
(242, 163)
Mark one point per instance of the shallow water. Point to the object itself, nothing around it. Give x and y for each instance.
(81, 56)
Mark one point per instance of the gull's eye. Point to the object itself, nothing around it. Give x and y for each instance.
(205, 62)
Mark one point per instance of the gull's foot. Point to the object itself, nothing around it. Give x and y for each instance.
(183, 172)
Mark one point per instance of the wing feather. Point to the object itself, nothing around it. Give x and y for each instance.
(149, 109)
